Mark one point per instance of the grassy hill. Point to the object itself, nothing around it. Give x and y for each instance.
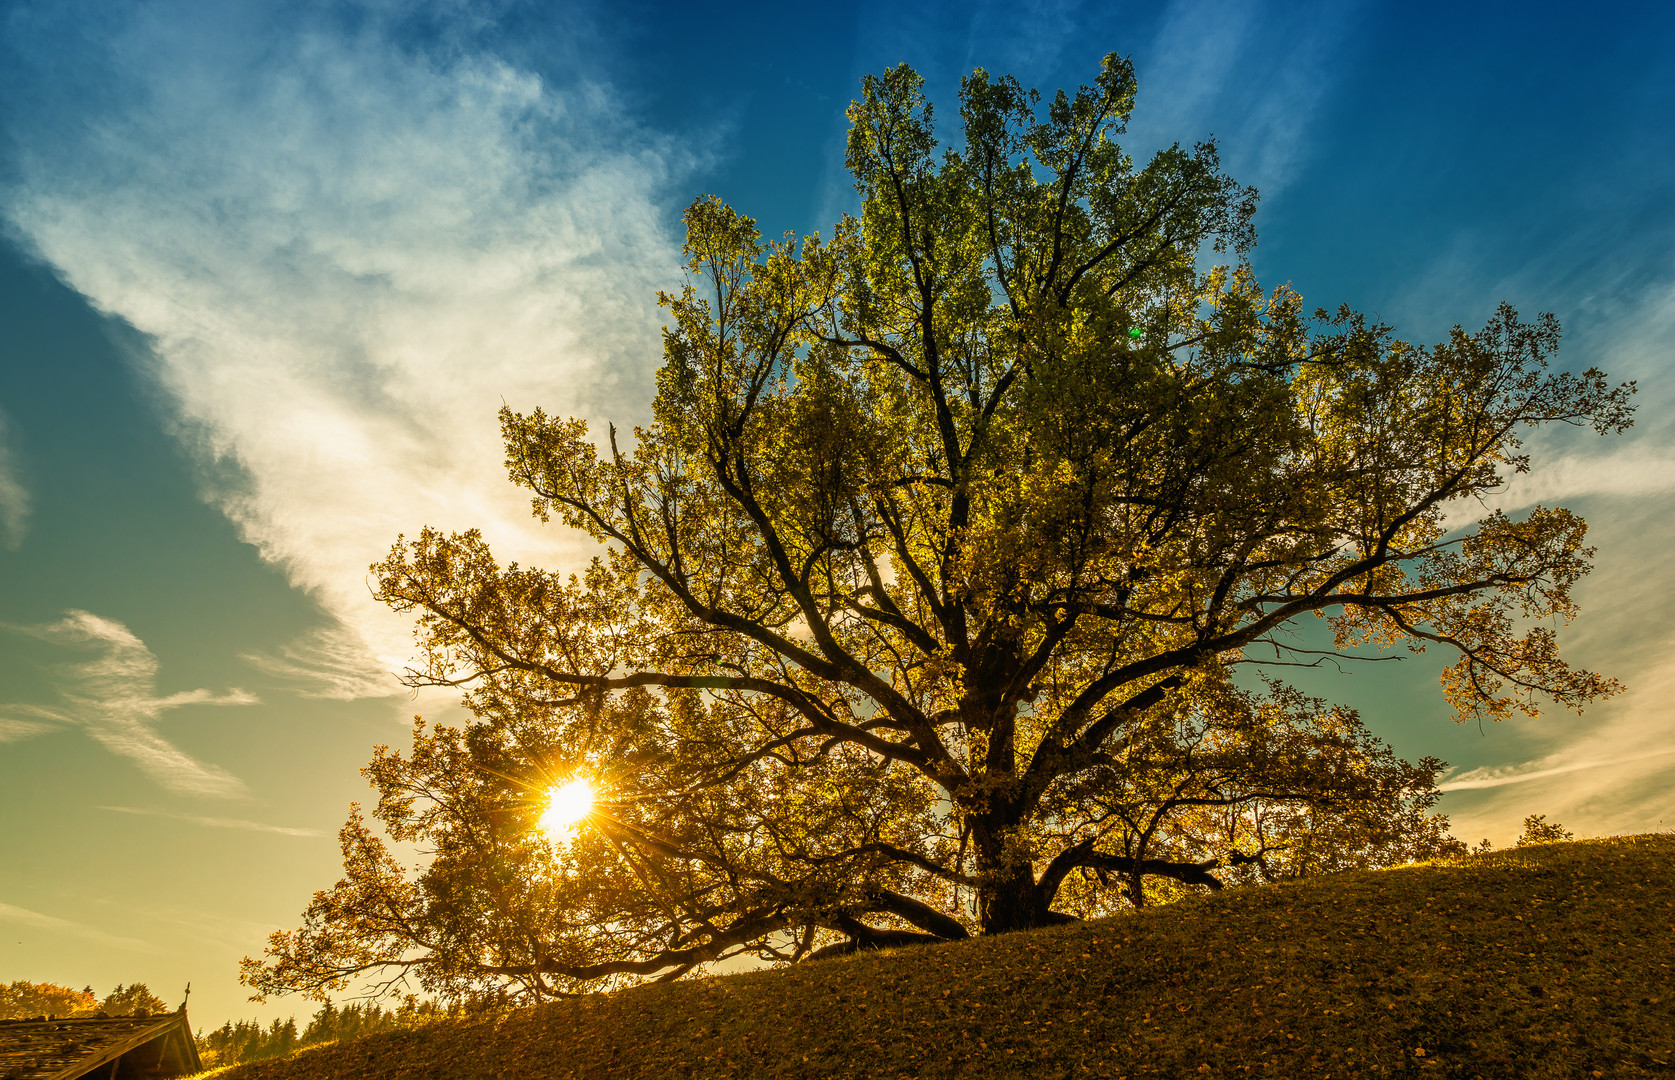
(1547, 961)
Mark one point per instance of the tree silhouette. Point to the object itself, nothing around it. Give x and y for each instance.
(1538, 831)
(950, 586)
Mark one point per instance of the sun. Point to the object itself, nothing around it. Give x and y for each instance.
(567, 805)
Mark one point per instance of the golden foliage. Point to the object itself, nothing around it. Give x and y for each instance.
(21, 999)
(949, 586)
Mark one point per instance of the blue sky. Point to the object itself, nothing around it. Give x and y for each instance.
(267, 272)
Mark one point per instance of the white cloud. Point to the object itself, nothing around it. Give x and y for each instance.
(332, 664)
(347, 255)
(1560, 764)
(1608, 771)
(1611, 781)
(1630, 337)
(1195, 55)
(1634, 471)
(25, 917)
(1251, 74)
(1612, 769)
(216, 822)
(14, 727)
(14, 498)
(112, 696)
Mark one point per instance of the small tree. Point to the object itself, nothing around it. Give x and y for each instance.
(1538, 831)
(925, 595)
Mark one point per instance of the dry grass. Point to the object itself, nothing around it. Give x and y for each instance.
(1548, 961)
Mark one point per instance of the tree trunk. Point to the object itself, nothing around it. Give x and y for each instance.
(1007, 899)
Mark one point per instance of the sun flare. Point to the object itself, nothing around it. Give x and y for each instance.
(567, 805)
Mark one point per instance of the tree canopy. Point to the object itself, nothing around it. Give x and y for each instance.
(951, 586)
(21, 999)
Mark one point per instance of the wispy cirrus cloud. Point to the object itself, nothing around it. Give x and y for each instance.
(1252, 74)
(347, 252)
(330, 664)
(15, 503)
(1559, 764)
(1635, 471)
(216, 822)
(13, 727)
(1608, 770)
(53, 924)
(1611, 769)
(112, 696)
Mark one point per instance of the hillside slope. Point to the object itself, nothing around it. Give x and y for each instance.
(1549, 961)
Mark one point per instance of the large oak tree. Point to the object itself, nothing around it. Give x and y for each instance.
(950, 587)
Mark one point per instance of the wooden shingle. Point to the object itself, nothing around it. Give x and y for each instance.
(139, 1047)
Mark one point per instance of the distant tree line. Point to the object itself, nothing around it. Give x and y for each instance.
(248, 1040)
(21, 999)
(234, 1041)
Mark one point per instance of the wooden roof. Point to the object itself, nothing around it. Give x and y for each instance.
(120, 1047)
